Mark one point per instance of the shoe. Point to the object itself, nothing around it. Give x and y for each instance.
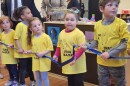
(9, 83)
(1, 76)
(32, 83)
(22, 85)
(15, 83)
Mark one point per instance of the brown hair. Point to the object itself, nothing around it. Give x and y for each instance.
(29, 31)
(6, 17)
(18, 12)
(72, 12)
(104, 2)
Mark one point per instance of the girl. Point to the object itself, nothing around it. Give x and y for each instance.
(37, 38)
(67, 38)
(25, 60)
(7, 37)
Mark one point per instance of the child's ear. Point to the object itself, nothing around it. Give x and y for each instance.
(101, 8)
(22, 16)
(30, 29)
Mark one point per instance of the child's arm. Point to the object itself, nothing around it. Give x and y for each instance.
(77, 54)
(40, 54)
(82, 49)
(11, 45)
(0, 51)
(119, 48)
(20, 50)
(93, 44)
(128, 47)
(115, 50)
(128, 51)
(57, 54)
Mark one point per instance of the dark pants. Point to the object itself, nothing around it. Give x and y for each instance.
(25, 66)
(75, 80)
(13, 72)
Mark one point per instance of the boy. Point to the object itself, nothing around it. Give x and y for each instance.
(110, 37)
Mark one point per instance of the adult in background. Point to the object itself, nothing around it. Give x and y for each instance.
(73, 3)
(8, 7)
(53, 9)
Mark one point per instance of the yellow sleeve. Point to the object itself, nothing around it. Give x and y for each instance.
(49, 43)
(0, 36)
(59, 43)
(18, 31)
(123, 30)
(95, 36)
(128, 44)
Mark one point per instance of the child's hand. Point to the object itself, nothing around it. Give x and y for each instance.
(27, 52)
(40, 54)
(73, 62)
(55, 58)
(20, 51)
(105, 55)
(11, 46)
(83, 46)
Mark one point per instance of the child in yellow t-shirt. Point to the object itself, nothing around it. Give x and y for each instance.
(7, 54)
(41, 45)
(20, 37)
(67, 38)
(110, 37)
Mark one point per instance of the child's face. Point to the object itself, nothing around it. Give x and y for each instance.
(36, 27)
(110, 9)
(27, 14)
(70, 21)
(6, 24)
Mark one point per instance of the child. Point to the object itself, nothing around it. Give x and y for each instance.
(7, 55)
(37, 38)
(67, 38)
(25, 60)
(111, 35)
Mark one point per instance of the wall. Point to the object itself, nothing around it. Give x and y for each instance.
(38, 4)
(125, 4)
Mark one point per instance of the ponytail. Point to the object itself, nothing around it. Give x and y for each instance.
(18, 12)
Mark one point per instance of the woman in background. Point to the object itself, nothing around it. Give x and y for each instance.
(53, 9)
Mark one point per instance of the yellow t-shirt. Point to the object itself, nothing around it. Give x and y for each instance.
(128, 44)
(109, 36)
(8, 53)
(41, 44)
(21, 35)
(0, 44)
(66, 42)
